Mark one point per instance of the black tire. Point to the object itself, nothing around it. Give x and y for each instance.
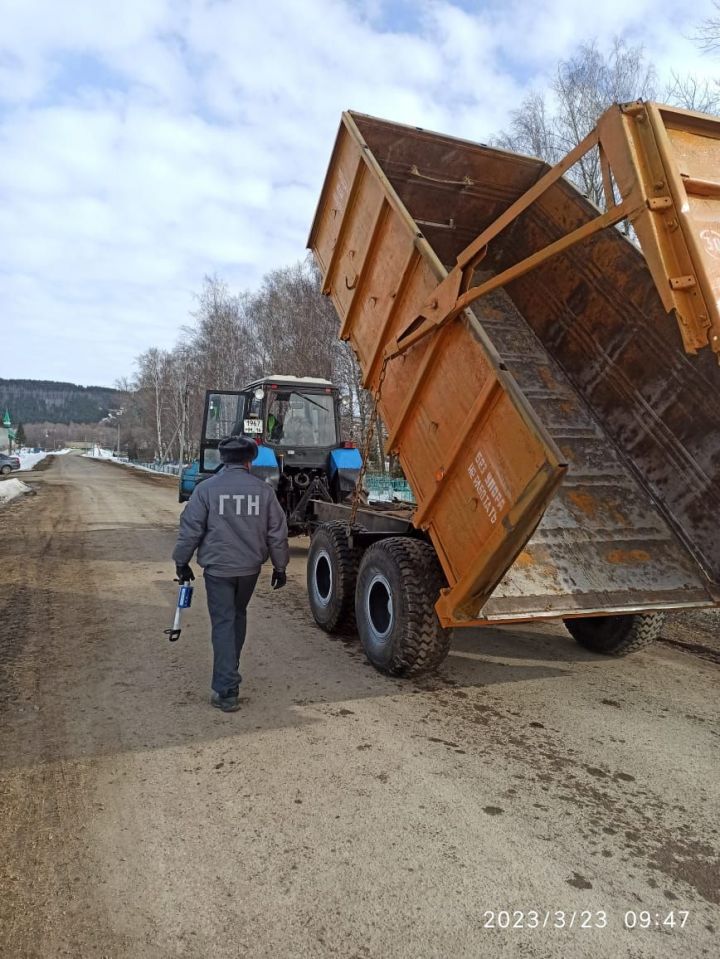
(398, 584)
(5, 470)
(616, 635)
(332, 568)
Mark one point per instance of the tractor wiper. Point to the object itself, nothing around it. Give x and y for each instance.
(307, 398)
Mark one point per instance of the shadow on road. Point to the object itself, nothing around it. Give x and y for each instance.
(548, 642)
(106, 680)
(85, 669)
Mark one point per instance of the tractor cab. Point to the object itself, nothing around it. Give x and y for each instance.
(296, 424)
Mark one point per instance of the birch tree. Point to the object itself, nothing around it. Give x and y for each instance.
(221, 337)
(548, 125)
(692, 93)
(152, 381)
(295, 326)
(707, 35)
(689, 91)
(286, 326)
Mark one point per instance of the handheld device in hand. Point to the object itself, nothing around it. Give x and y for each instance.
(184, 601)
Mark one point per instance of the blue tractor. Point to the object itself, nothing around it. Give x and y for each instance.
(296, 423)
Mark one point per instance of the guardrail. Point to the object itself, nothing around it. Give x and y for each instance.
(172, 469)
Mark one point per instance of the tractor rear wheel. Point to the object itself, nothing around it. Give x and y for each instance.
(398, 584)
(332, 568)
(616, 635)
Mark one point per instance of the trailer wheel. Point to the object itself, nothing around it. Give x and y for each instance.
(398, 585)
(616, 635)
(332, 568)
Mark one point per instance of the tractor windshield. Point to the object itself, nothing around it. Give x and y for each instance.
(301, 419)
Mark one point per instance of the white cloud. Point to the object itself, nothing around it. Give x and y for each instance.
(149, 142)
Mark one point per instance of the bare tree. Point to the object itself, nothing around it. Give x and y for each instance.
(707, 35)
(286, 327)
(152, 380)
(295, 325)
(185, 402)
(221, 338)
(296, 328)
(356, 400)
(584, 86)
(689, 91)
(692, 93)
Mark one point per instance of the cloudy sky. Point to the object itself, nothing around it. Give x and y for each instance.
(146, 143)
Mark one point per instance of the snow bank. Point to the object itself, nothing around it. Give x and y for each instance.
(11, 488)
(98, 453)
(29, 461)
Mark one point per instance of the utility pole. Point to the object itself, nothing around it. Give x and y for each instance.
(116, 415)
(183, 427)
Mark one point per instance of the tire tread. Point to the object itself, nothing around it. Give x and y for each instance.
(346, 574)
(426, 643)
(634, 632)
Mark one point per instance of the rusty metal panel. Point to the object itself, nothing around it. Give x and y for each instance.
(597, 311)
(555, 370)
(599, 316)
(480, 463)
(671, 159)
(658, 158)
(602, 543)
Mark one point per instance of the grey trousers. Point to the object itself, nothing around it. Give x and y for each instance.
(227, 599)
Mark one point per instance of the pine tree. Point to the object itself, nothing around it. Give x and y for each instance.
(20, 439)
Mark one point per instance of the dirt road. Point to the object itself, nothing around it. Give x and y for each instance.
(340, 813)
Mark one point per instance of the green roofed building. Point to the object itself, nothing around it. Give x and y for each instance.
(7, 433)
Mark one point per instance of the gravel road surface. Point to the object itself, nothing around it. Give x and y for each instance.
(340, 813)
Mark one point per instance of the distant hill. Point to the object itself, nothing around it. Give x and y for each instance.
(33, 401)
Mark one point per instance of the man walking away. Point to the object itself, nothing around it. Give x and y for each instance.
(235, 522)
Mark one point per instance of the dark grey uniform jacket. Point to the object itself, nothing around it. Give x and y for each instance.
(235, 522)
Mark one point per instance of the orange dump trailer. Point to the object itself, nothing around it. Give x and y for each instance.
(552, 392)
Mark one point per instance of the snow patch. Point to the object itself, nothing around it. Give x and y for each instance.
(28, 461)
(11, 488)
(98, 453)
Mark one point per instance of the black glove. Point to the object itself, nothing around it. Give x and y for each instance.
(279, 578)
(184, 573)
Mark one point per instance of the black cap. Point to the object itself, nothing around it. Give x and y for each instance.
(237, 449)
